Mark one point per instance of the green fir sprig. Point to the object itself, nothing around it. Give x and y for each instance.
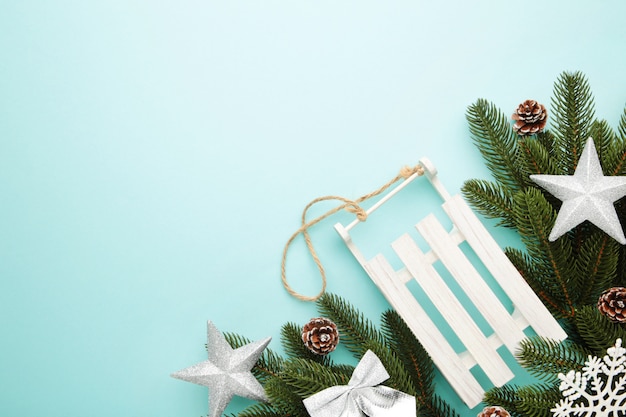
(545, 358)
(289, 380)
(530, 400)
(567, 274)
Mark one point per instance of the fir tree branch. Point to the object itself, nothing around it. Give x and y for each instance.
(545, 358)
(414, 357)
(603, 138)
(342, 369)
(306, 377)
(283, 398)
(527, 401)
(492, 133)
(536, 276)
(535, 217)
(537, 400)
(536, 158)
(438, 408)
(614, 163)
(505, 396)
(596, 266)
(546, 138)
(597, 331)
(573, 112)
(354, 329)
(490, 199)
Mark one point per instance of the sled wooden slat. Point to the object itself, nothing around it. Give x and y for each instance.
(452, 310)
(521, 295)
(471, 282)
(448, 361)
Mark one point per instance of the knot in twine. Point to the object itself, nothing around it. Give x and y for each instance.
(351, 206)
(358, 211)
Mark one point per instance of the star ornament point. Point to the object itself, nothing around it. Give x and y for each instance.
(586, 195)
(227, 372)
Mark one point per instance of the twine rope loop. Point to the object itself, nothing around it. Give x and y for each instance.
(351, 206)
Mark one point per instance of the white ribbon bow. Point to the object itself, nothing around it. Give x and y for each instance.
(363, 396)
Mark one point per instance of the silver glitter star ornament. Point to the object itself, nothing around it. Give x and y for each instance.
(227, 372)
(586, 195)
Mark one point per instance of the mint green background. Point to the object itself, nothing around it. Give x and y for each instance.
(155, 156)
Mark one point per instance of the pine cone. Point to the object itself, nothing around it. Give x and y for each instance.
(530, 118)
(493, 411)
(612, 304)
(320, 336)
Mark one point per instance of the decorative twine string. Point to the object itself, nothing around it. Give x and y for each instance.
(352, 206)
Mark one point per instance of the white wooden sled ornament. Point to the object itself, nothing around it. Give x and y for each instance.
(418, 265)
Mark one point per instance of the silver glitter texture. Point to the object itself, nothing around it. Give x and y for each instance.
(586, 195)
(227, 372)
(363, 396)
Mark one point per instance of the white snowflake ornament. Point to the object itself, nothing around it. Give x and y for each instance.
(599, 390)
